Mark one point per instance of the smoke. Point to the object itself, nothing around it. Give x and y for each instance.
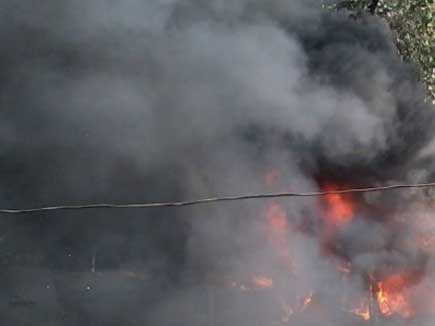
(162, 100)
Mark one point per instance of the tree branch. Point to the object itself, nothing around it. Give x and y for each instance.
(372, 6)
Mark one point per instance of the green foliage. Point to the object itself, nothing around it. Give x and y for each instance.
(413, 22)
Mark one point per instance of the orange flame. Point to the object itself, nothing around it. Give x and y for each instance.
(391, 297)
(307, 301)
(340, 209)
(262, 282)
(289, 310)
(362, 311)
(277, 218)
(278, 229)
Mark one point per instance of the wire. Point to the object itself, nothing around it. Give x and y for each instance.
(204, 201)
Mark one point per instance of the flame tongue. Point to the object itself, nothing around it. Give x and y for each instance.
(363, 310)
(262, 282)
(340, 208)
(392, 297)
(386, 297)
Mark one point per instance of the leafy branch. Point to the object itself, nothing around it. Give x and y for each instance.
(413, 22)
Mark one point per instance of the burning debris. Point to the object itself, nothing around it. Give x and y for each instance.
(387, 294)
(165, 100)
(391, 297)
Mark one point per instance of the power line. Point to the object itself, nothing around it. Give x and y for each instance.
(212, 200)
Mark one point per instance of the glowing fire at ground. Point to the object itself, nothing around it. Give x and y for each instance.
(385, 297)
(262, 282)
(278, 230)
(363, 310)
(392, 299)
(289, 310)
(277, 225)
(307, 301)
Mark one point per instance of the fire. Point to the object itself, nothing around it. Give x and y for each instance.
(391, 297)
(257, 282)
(339, 208)
(289, 310)
(262, 282)
(363, 311)
(277, 230)
(388, 297)
(277, 218)
(307, 301)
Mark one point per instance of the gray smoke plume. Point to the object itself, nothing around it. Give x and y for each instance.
(161, 100)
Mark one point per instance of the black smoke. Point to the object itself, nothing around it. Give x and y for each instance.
(161, 100)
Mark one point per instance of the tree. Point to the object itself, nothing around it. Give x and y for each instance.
(413, 22)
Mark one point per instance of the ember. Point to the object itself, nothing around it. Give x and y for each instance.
(307, 301)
